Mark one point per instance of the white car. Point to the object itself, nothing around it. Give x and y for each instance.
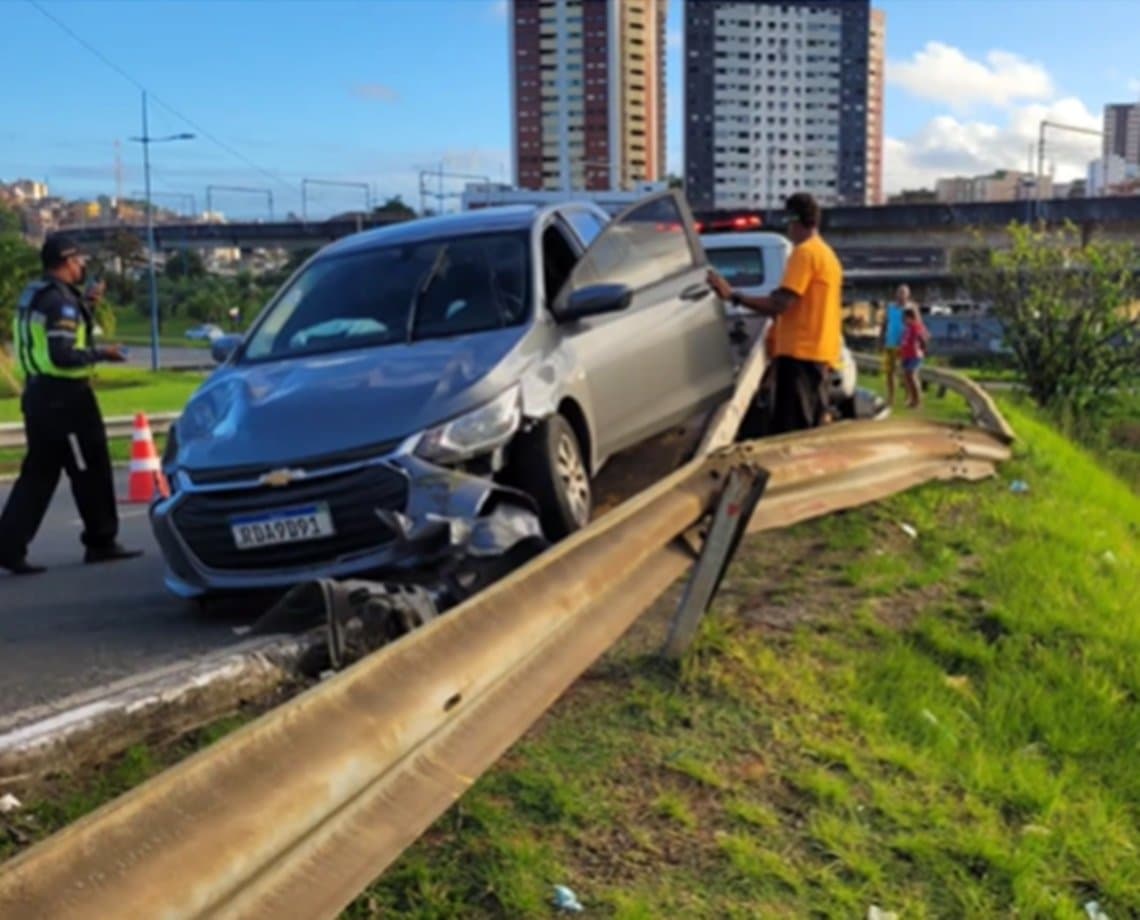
(206, 332)
(753, 262)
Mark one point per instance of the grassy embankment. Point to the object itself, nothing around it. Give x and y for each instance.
(943, 726)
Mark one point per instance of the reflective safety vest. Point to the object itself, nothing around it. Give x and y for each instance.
(30, 337)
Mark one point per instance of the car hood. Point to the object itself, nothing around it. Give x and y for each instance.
(290, 410)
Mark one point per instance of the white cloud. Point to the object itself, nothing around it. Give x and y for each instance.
(377, 92)
(942, 73)
(948, 146)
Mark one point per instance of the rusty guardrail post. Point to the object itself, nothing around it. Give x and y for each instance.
(742, 492)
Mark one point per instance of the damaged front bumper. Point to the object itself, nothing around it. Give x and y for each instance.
(396, 517)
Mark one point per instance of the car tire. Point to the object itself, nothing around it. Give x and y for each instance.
(548, 465)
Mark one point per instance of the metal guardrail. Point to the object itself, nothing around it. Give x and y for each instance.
(119, 426)
(299, 811)
(982, 405)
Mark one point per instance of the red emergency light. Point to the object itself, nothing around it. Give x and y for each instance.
(735, 222)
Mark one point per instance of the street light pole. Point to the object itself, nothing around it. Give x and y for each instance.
(146, 140)
(152, 281)
(1045, 123)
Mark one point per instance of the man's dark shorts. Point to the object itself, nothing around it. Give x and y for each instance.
(793, 396)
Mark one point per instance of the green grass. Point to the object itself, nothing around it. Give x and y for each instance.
(67, 798)
(950, 730)
(943, 726)
(125, 391)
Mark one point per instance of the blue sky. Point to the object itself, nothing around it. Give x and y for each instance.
(375, 91)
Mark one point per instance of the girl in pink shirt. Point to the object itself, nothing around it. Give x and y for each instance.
(912, 350)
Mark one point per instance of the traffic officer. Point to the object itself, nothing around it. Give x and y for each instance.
(54, 343)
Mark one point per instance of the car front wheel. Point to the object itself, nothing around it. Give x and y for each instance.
(548, 465)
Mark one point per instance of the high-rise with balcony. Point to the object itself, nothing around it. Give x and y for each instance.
(588, 93)
(783, 96)
(1122, 132)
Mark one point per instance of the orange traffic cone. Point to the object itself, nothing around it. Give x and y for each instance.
(146, 473)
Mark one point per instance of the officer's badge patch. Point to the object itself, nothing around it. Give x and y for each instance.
(70, 312)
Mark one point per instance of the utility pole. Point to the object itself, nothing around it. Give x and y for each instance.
(305, 183)
(1041, 150)
(118, 172)
(146, 140)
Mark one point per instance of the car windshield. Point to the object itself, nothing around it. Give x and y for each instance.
(401, 293)
(741, 267)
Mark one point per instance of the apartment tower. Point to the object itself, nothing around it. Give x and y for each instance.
(587, 93)
(783, 96)
(1122, 132)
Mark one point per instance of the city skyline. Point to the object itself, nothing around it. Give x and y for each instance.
(376, 92)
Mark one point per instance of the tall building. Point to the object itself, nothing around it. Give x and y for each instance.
(1122, 132)
(876, 75)
(783, 96)
(588, 93)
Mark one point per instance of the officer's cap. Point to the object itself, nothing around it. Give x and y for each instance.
(57, 249)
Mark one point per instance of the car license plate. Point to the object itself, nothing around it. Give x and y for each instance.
(290, 525)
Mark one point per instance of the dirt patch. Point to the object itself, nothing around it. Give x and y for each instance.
(630, 472)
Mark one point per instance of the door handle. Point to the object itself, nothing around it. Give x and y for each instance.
(696, 292)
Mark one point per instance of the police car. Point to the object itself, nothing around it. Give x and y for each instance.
(752, 261)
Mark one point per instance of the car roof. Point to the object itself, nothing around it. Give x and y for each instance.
(481, 220)
(732, 239)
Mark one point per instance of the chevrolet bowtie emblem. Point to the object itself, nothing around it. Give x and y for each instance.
(278, 478)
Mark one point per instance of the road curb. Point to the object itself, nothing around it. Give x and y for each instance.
(88, 727)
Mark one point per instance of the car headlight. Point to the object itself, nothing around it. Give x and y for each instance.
(478, 432)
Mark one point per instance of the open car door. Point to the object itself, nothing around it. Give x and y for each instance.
(660, 354)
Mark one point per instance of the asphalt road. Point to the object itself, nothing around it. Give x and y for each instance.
(169, 357)
(77, 626)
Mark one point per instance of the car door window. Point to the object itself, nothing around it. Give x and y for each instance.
(558, 260)
(647, 243)
(585, 223)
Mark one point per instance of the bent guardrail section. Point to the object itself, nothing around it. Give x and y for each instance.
(296, 813)
(982, 405)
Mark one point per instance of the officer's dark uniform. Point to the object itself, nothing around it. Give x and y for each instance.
(54, 344)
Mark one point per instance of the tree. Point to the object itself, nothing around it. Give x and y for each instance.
(394, 207)
(1065, 310)
(19, 264)
(10, 221)
(184, 264)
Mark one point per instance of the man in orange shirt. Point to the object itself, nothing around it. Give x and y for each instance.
(805, 340)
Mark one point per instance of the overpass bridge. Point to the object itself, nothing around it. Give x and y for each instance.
(880, 246)
(942, 226)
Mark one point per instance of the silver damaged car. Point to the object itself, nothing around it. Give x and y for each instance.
(448, 382)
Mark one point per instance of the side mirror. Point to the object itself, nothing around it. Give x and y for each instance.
(593, 301)
(223, 347)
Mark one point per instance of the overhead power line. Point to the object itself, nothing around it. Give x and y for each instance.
(269, 174)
